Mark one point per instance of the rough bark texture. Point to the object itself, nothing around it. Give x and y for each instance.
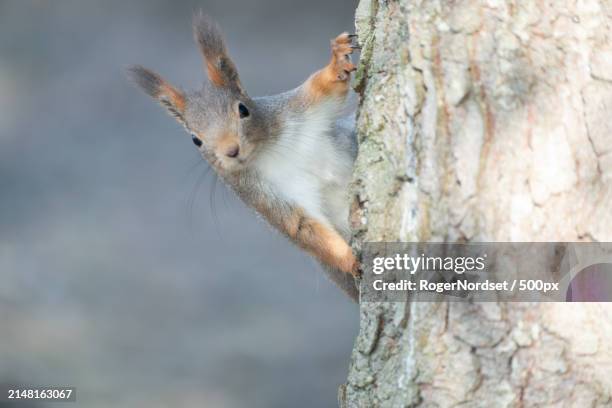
(483, 121)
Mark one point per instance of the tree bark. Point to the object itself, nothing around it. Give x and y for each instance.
(483, 121)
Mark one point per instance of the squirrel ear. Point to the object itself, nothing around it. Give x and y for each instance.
(156, 87)
(221, 70)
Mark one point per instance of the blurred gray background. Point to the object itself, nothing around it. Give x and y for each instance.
(123, 270)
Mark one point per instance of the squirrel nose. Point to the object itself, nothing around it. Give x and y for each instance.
(233, 151)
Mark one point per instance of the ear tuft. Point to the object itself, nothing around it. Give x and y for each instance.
(208, 36)
(221, 70)
(147, 80)
(155, 86)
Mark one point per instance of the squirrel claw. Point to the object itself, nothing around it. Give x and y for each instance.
(356, 270)
(342, 47)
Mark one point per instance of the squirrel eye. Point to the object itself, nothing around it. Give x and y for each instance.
(196, 140)
(244, 112)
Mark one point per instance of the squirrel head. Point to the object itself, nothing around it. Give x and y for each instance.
(225, 124)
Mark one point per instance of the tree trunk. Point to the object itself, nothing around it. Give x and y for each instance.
(483, 121)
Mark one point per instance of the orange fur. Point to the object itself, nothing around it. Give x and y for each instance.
(226, 142)
(321, 241)
(215, 76)
(176, 98)
(333, 79)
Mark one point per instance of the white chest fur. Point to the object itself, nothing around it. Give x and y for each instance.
(306, 168)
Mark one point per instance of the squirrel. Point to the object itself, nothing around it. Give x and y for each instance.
(288, 156)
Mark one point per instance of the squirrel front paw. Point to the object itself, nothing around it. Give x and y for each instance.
(351, 265)
(333, 79)
(356, 270)
(342, 48)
